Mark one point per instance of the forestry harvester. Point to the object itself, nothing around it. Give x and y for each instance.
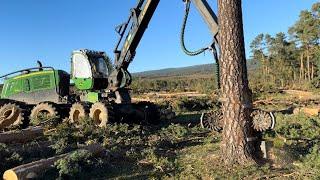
(44, 91)
(101, 90)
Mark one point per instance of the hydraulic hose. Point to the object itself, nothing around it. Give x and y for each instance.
(202, 50)
(216, 57)
(184, 24)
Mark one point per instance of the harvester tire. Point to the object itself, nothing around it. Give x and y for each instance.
(77, 112)
(43, 109)
(101, 114)
(11, 115)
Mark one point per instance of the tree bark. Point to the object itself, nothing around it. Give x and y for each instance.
(238, 145)
(312, 71)
(301, 67)
(22, 136)
(264, 67)
(308, 66)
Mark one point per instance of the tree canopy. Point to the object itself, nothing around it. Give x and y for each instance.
(284, 59)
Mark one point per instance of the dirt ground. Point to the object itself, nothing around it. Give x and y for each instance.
(161, 96)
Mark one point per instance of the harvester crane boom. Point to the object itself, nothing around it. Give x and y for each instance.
(208, 15)
(140, 17)
(138, 21)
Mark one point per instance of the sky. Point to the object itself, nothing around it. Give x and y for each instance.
(49, 30)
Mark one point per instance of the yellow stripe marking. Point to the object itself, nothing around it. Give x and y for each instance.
(32, 74)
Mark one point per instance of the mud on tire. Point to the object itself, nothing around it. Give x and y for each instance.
(101, 114)
(78, 111)
(43, 112)
(11, 115)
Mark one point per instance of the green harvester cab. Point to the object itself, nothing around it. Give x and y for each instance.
(34, 85)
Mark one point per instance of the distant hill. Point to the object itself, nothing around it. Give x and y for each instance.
(183, 71)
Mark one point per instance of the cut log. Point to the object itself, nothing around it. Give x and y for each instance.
(21, 136)
(309, 111)
(34, 169)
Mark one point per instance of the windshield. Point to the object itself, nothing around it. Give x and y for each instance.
(100, 66)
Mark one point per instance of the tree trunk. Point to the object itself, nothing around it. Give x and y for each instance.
(308, 66)
(301, 67)
(264, 68)
(312, 71)
(238, 145)
(22, 136)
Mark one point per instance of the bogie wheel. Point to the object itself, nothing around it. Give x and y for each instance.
(101, 114)
(11, 115)
(262, 120)
(43, 112)
(212, 120)
(77, 112)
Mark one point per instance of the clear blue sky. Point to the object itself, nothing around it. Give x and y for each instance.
(50, 29)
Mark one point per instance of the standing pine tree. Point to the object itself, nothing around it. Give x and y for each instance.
(306, 31)
(239, 145)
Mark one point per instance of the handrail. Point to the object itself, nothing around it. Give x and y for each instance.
(20, 71)
(39, 69)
